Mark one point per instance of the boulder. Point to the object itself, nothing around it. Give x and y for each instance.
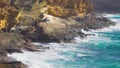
(54, 29)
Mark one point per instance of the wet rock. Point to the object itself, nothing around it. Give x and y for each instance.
(31, 47)
(12, 64)
(7, 62)
(14, 50)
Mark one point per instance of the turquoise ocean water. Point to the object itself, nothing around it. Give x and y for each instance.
(99, 51)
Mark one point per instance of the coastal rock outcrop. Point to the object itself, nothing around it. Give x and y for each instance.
(11, 42)
(43, 21)
(54, 29)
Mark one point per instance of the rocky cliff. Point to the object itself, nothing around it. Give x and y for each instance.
(66, 8)
(12, 10)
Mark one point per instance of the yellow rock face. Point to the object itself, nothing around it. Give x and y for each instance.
(3, 24)
(8, 14)
(66, 8)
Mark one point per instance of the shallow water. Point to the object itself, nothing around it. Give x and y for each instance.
(99, 51)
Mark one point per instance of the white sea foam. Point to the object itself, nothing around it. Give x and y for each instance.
(40, 59)
(82, 40)
(37, 59)
(110, 15)
(108, 29)
(81, 55)
(33, 60)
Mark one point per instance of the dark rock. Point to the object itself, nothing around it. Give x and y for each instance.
(98, 23)
(7, 62)
(35, 48)
(3, 51)
(31, 47)
(12, 64)
(14, 50)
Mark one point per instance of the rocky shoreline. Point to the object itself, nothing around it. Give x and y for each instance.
(12, 42)
(22, 23)
(53, 30)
